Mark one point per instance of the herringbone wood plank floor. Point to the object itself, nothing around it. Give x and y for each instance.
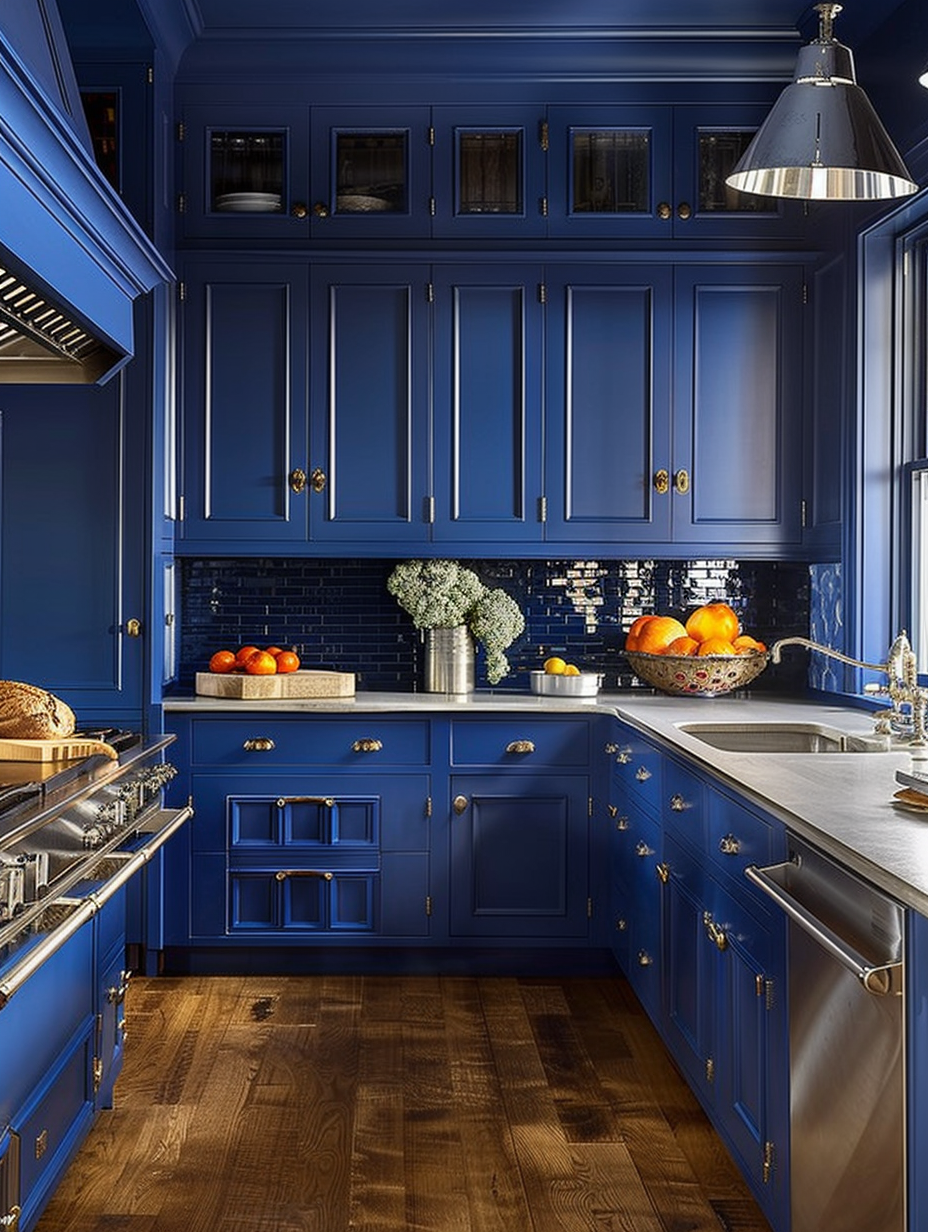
(381, 1104)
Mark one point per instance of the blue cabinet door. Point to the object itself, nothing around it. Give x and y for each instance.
(487, 399)
(369, 455)
(736, 475)
(245, 404)
(488, 172)
(72, 563)
(519, 856)
(607, 396)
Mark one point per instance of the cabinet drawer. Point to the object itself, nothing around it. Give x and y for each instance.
(736, 837)
(636, 769)
(362, 744)
(515, 742)
(683, 804)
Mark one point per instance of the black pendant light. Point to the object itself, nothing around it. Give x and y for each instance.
(823, 140)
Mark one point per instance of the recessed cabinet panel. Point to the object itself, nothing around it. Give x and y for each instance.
(486, 403)
(369, 403)
(607, 394)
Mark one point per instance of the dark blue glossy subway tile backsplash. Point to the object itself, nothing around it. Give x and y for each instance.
(338, 614)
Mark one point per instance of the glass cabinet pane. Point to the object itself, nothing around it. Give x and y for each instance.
(719, 152)
(490, 172)
(370, 172)
(611, 171)
(246, 171)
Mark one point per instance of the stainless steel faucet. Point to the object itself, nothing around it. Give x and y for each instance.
(908, 700)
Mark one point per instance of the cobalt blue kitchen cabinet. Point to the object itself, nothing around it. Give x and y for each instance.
(489, 176)
(368, 464)
(72, 564)
(487, 399)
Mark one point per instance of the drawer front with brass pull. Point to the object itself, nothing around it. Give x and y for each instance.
(361, 743)
(683, 803)
(636, 769)
(520, 741)
(737, 837)
(302, 900)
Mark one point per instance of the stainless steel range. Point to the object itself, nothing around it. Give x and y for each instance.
(72, 834)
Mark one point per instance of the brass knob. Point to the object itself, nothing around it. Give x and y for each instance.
(621, 823)
(299, 209)
(297, 479)
(623, 757)
(133, 627)
(459, 804)
(258, 744)
(644, 958)
(681, 482)
(642, 774)
(621, 925)
(643, 850)
(520, 746)
(321, 210)
(729, 845)
(367, 744)
(677, 804)
(662, 481)
(663, 210)
(317, 480)
(684, 210)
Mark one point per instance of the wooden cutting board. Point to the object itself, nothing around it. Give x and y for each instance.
(307, 682)
(63, 749)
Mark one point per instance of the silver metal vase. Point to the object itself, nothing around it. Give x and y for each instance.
(449, 660)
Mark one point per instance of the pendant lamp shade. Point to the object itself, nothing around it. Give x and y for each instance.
(823, 140)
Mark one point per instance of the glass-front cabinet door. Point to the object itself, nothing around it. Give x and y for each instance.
(489, 171)
(246, 172)
(370, 172)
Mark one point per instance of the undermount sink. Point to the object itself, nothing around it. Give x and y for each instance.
(783, 738)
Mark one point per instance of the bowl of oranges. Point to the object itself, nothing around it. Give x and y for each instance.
(557, 678)
(701, 657)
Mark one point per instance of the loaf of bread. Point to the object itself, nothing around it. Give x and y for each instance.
(30, 713)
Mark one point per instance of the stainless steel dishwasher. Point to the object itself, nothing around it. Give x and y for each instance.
(846, 1045)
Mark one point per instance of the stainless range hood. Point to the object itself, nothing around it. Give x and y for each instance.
(72, 258)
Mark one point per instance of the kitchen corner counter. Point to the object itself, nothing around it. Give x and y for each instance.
(841, 802)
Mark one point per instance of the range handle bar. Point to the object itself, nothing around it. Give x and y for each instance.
(880, 980)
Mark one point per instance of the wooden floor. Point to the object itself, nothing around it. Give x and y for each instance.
(317, 1104)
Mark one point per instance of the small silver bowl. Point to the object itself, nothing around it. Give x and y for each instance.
(549, 685)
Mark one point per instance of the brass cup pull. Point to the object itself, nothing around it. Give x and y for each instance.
(729, 845)
(299, 209)
(258, 744)
(662, 481)
(297, 479)
(684, 210)
(681, 482)
(317, 480)
(677, 803)
(520, 746)
(283, 873)
(320, 209)
(367, 744)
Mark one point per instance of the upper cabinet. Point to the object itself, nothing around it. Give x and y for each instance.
(472, 172)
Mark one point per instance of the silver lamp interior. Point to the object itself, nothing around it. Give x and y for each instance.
(823, 140)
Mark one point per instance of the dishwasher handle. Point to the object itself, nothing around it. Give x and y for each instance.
(880, 980)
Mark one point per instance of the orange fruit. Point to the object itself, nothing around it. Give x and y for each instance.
(287, 661)
(744, 644)
(245, 653)
(713, 620)
(260, 664)
(657, 634)
(631, 638)
(716, 646)
(222, 661)
(274, 650)
(684, 645)
(571, 669)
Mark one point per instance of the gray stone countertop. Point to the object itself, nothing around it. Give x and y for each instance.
(841, 802)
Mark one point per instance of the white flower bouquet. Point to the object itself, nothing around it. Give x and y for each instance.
(440, 594)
